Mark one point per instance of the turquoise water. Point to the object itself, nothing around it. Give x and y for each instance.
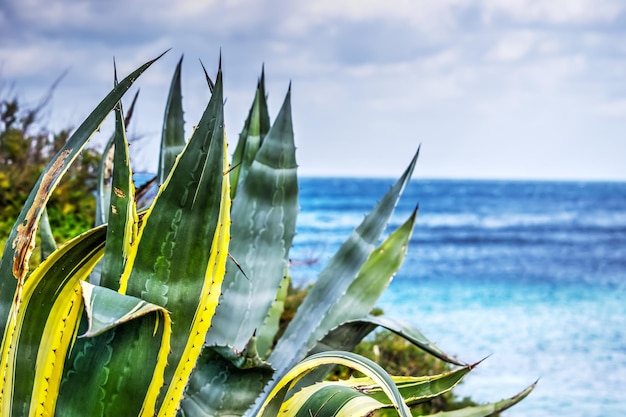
(531, 274)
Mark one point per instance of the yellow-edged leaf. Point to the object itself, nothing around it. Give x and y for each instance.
(44, 323)
(349, 359)
(209, 300)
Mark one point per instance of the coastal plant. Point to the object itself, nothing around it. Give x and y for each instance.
(177, 318)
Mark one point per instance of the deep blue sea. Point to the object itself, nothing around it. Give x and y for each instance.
(531, 274)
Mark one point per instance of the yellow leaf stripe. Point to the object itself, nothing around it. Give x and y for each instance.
(59, 330)
(209, 298)
(348, 359)
(359, 406)
(59, 333)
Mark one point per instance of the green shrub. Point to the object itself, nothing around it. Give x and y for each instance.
(25, 149)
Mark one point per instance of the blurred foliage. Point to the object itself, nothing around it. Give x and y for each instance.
(394, 353)
(26, 146)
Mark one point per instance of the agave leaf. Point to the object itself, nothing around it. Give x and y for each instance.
(248, 358)
(173, 136)
(105, 172)
(269, 329)
(264, 222)
(187, 225)
(219, 387)
(256, 126)
(334, 281)
(207, 77)
(225, 381)
(486, 410)
(355, 302)
(348, 334)
(122, 218)
(362, 396)
(330, 399)
(272, 403)
(48, 245)
(103, 193)
(131, 109)
(370, 282)
(44, 325)
(122, 331)
(20, 244)
(414, 390)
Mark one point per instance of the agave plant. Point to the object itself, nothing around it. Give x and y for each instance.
(178, 319)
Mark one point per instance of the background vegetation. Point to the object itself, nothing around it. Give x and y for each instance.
(26, 147)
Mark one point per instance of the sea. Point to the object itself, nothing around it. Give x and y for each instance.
(529, 275)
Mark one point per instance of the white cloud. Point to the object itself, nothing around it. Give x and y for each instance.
(386, 73)
(376, 9)
(554, 11)
(612, 108)
(514, 46)
(426, 17)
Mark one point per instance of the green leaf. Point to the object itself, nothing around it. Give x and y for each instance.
(348, 334)
(272, 403)
(264, 222)
(267, 332)
(370, 282)
(103, 193)
(207, 77)
(334, 281)
(43, 325)
(355, 302)
(20, 244)
(48, 245)
(103, 378)
(255, 128)
(414, 390)
(179, 261)
(362, 396)
(173, 136)
(330, 400)
(248, 358)
(488, 409)
(122, 218)
(218, 387)
(105, 172)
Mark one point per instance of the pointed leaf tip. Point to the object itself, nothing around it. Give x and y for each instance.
(208, 78)
(131, 109)
(152, 61)
(179, 66)
(114, 72)
(475, 364)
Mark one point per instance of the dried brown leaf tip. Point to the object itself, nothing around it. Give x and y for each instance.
(24, 241)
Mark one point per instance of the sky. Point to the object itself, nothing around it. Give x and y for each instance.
(515, 89)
